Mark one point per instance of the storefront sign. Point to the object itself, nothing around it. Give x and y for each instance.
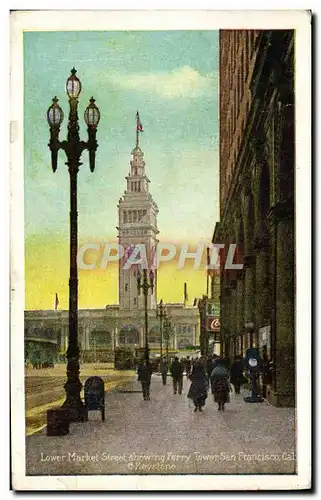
(265, 338)
(213, 324)
(212, 308)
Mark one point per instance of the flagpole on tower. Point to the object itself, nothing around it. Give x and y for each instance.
(137, 129)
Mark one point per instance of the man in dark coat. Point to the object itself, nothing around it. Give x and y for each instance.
(236, 376)
(163, 368)
(144, 376)
(177, 371)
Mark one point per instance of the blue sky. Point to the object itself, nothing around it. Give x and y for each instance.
(172, 79)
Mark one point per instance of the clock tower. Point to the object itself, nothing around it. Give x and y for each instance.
(137, 225)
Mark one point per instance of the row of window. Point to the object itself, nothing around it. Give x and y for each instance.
(184, 328)
(135, 186)
(242, 71)
(133, 215)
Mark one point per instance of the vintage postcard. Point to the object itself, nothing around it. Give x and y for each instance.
(160, 234)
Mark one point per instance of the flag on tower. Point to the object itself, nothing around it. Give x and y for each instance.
(139, 125)
(185, 293)
(56, 302)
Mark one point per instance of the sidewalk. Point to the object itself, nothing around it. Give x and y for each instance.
(164, 435)
(45, 389)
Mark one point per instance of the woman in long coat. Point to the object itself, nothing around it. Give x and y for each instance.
(198, 388)
(220, 386)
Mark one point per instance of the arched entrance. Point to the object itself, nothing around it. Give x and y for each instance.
(154, 336)
(129, 335)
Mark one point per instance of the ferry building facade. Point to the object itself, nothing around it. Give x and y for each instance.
(100, 331)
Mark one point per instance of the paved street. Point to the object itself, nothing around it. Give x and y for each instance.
(164, 435)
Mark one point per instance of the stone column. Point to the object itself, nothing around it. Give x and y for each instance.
(226, 320)
(272, 290)
(62, 339)
(174, 340)
(285, 326)
(240, 302)
(262, 305)
(261, 240)
(249, 300)
(115, 337)
(87, 337)
(233, 313)
(195, 340)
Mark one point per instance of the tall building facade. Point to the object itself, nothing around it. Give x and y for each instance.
(137, 215)
(257, 199)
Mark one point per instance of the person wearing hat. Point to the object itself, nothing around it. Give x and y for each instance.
(220, 384)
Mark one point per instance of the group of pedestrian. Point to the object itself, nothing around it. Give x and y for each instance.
(204, 373)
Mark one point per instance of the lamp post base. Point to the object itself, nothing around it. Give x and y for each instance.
(254, 398)
(74, 405)
(75, 409)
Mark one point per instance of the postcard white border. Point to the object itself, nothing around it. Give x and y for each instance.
(165, 20)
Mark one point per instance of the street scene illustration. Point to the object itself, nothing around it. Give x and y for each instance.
(159, 321)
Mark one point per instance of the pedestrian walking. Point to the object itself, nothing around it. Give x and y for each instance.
(220, 385)
(163, 368)
(209, 368)
(177, 371)
(144, 376)
(188, 367)
(237, 378)
(198, 388)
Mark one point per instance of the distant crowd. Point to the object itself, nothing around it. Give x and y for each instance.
(205, 374)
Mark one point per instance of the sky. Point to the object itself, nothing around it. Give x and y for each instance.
(171, 78)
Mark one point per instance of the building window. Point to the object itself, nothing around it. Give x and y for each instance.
(125, 216)
(135, 301)
(99, 339)
(129, 335)
(130, 216)
(135, 216)
(126, 287)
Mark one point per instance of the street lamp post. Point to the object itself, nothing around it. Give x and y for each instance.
(203, 331)
(73, 148)
(161, 314)
(167, 333)
(145, 286)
